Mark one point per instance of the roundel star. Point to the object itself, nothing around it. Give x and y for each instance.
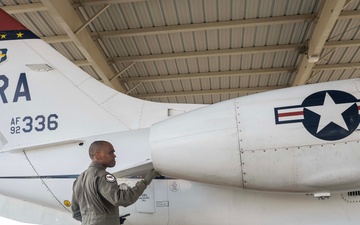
(331, 115)
(330, 112)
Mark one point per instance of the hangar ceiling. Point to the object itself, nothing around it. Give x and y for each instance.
(200, 51)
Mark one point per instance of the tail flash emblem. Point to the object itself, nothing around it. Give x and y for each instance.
(3, 55)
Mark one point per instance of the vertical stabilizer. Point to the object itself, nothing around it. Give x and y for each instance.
(45, 98)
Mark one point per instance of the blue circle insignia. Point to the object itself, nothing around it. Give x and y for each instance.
(331, 115)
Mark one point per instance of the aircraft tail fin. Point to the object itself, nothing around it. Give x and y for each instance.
(46, 98)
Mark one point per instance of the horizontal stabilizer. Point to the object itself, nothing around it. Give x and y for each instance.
(44, 145)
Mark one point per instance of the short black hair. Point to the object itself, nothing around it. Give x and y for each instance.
(97, 146)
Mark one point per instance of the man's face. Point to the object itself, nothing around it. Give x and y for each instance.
(107, 156)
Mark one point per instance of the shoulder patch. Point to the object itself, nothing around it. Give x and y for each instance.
(110, 178)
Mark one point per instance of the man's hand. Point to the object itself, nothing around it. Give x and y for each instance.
(150, 175)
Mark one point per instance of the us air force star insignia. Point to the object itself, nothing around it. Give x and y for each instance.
(330, 112)
(328, 115)
(110, 178)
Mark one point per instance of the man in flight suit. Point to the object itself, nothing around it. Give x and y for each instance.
(96, 194)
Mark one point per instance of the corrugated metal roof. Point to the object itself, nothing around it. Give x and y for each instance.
(204, 51)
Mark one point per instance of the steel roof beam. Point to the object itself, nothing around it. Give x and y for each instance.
(227, 52)
(64, 14)
(24, 8)
(205, 26)
(208, 92)
(341, 66)
(217, 25)
(234, 73)
(39, 6)
(342, 44)
(327, 17)
(81, 63)
(349, 43)
(208, 53)
(91, 19)
(210, 74)
(102, 2)
(349, 14)
(57, 39)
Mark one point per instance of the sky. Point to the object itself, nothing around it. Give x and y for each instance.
(11, 222)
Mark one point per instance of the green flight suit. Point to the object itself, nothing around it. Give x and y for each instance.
(97, 196)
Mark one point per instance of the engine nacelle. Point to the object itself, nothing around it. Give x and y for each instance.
(201, 145)
(244, 142)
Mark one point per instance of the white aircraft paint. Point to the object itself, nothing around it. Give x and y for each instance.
(259, 159)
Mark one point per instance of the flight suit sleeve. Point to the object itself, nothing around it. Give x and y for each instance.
(75, 209)
(109, 189)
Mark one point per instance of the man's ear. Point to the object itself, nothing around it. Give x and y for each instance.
(97, 155)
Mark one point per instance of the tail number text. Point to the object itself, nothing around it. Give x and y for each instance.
(37, 123)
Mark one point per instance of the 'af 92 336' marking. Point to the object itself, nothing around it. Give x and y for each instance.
(37, 123)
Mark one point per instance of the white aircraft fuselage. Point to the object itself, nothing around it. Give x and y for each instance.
(261, 159)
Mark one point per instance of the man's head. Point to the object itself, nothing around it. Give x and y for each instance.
(102, 152)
